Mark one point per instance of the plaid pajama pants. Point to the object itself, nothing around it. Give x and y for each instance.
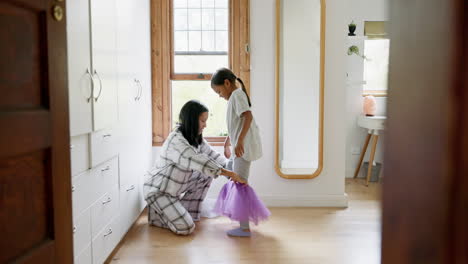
(178, 213)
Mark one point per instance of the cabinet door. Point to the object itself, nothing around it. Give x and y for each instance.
(104, 60)
(79, 67)
(129, 90)
(142, 47)
(129, 205)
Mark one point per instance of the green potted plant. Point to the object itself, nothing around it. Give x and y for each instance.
(355, 50)
(351, 28)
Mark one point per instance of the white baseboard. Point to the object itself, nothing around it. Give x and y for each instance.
(350, 172)
(306, 201)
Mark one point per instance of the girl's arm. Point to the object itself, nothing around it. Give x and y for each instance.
(247, 115)
(227, 149)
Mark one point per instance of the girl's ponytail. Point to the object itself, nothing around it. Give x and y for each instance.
(224, 73)
(243, 89)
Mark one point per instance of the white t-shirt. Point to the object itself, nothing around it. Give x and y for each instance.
(237, 105)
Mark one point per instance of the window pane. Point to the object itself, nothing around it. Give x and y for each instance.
(208, 3)
(208, 40)
(183, 91)
(221, 41)
(199, 63)
(376, 67)
(194, 19)
(180, 3)
(181, 41)
(194, 4)
(194, 40)
(208, 19)
(221, 3)
(221, 19)
(180, 19)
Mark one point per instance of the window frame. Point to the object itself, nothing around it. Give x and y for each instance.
(162, 64)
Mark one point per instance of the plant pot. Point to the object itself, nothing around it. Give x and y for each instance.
(351, 29)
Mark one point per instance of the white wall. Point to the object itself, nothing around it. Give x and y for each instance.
(360, 11)
(300, 83)
(328, 188)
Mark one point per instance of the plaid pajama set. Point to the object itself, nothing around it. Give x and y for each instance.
(179, 183)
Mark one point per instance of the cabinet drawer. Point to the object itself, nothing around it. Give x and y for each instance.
(105, 176)
(130, 205)
(83, 192)
(105, 241)
(85, 257)
(79, 153)
(81, 232)
(104, 209)
(104, 145)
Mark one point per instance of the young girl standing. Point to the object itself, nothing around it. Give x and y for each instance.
(239, 201)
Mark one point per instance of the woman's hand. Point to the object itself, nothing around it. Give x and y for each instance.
(239, 150)
(233, 176)
(227, 152)
(237, 178)
(227, 147)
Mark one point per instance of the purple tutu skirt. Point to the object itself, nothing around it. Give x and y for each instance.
(240, 203)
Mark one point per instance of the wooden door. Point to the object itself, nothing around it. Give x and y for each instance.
(35, 192)
(425, 196)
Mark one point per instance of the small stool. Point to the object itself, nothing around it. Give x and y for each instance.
(373, 124)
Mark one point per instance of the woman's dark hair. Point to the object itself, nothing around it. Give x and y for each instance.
(188, 121)
(222, 74)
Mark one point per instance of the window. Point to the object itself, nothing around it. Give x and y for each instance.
(376, 66)
(200, 34)
(376, 51)
(190, 40)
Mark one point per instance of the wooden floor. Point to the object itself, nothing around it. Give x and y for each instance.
(292, 235)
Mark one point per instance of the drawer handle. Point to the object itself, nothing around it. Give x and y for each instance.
(108, 232)
(74, 229)
(107, 201)
(131, 188)
(107, 135)
(73, 188)
(105, 169)
(72, 146)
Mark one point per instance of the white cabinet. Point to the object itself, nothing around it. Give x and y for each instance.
(92, 73)
(79, 68)
(134, 71)
(129, 204)
(104, 60)
(104, 210)
(105, 241)
(104, 144)
(82, 232)
(84, 257)
(110, 120)
(79, 149)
